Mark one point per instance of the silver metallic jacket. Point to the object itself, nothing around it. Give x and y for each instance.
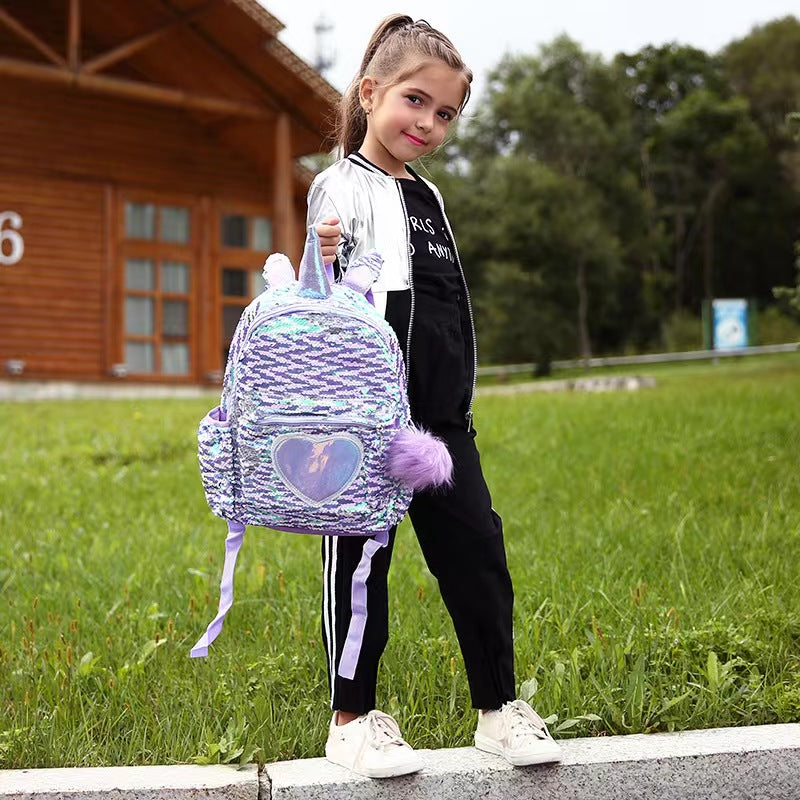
(368, 204)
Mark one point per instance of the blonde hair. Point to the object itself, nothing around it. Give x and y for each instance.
(395, 51)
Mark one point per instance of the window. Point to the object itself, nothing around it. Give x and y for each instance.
(140, 221)
(173, 223)
(246, 241)
(239, 287)
(157, 288)
(248, 233)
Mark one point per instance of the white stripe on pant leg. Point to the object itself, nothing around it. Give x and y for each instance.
(325, 604)
(334, 645)
(326, 619)
(329, 605)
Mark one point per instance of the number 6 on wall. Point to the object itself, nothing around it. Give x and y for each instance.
(12, 237)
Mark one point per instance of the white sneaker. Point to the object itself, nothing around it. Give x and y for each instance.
(371, 745)
(517, 733)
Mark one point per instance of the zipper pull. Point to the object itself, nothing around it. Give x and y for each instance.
(469, 421)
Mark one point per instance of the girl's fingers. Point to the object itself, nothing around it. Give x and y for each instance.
(329, 234)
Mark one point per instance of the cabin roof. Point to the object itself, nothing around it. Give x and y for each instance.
(199, 50)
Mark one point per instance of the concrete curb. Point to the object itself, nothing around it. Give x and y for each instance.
(756, 763)
(24, 391)
(180, 782)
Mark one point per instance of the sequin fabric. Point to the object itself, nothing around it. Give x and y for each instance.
(314, 391)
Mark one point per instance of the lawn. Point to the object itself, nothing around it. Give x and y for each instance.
(653, 538)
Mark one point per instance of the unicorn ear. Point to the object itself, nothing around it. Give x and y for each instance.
(313, 277)
(278, 271)
(363, 272)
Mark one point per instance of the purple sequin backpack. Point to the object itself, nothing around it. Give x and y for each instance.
(313, 433)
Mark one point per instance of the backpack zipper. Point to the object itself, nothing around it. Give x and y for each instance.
(309, 419)
(290, 308)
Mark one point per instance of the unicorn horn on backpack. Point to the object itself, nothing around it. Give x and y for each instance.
(313, 274)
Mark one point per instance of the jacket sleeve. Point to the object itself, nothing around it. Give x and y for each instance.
(321, 206)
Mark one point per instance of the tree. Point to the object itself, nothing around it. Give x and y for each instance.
(792, 294)
(718, 146)
(593, 199)
(656, 80)
(548, 149)
(764, 67)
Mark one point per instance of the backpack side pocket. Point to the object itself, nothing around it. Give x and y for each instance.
(215, 453)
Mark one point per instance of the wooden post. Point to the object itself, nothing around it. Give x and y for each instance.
(74, 36)
(285, 236)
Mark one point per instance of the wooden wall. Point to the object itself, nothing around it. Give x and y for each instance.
(66, 157)
(77, 134)
(52, 301)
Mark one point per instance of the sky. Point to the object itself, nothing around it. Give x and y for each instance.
(520, 26)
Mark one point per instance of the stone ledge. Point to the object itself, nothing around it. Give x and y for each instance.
(24, 391)
(756, 763)
(181, 782)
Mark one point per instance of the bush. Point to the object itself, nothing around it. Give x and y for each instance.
(776, 327)
(682, 331)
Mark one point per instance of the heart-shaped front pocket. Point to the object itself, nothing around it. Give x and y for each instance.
(317, 468)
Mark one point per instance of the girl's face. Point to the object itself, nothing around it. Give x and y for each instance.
(409, 119)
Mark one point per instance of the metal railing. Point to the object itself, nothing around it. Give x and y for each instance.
(652, 358)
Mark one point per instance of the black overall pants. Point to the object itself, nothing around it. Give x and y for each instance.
(461, 538)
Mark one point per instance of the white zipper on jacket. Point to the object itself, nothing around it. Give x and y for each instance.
(410, 279)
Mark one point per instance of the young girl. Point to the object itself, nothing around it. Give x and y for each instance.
(411, 86)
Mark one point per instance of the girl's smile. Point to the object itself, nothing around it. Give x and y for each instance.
(409, 119)
(414, 140)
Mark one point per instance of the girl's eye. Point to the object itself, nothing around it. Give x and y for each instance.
(417, 101)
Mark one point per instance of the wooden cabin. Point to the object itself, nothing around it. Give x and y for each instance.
(148, 164)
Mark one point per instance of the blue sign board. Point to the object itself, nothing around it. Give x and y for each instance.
(730, 324)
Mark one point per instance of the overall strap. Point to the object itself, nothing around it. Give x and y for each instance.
(233, 543)
(358, 606)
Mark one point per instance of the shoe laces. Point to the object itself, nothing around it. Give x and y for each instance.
(383, 732)
(522, 720)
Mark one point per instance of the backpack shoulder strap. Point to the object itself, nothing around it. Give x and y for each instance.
(233, 543)
(358, 605)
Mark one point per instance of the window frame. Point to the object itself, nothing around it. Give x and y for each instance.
(243, 258)
(159, 252)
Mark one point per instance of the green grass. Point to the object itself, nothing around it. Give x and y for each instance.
(653, 538)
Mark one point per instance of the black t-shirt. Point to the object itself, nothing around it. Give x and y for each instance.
(436, 275)
(439, 376)
(440, 361)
